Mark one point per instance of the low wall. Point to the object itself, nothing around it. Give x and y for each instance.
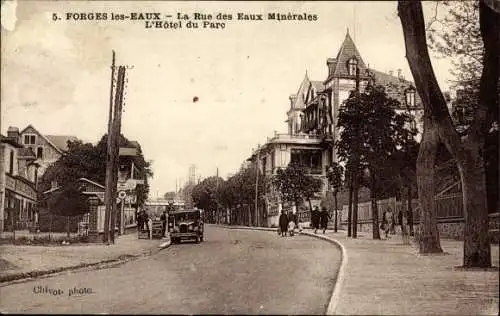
(451, 228)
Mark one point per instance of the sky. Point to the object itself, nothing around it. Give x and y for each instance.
(55, 75)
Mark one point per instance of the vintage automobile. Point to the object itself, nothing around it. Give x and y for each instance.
(185, 224)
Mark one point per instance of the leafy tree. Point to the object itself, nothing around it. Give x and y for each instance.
(295, 184)
(68, 201)
(456, 35)
(334, 174)
(438, 127)
(238, 194)
(170, 195)
(205, 194)
(371, 132)
(84, 160)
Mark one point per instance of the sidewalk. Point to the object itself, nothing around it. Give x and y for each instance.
(385, 277)
(17, 262)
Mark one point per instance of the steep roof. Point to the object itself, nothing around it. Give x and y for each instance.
(338, 66)
(395, 86)
(300, 96)
(61, 141)
(318, 86)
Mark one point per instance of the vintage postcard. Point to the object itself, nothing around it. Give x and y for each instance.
(260, 157)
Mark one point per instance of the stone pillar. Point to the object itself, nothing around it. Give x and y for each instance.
(93, 218)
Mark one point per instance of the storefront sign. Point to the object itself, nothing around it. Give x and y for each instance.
(26, 190)
(10, 183)
(19, 187)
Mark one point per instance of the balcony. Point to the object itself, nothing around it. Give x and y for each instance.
(295, 139)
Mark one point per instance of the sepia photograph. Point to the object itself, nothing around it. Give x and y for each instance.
(250, 157)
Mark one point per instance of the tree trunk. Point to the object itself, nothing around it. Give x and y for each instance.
(375, 227)
(349, 210)
(336, 212)
(68, 227)
(404, 232)
(310, 204)
(410, 210)
(477, 249)
(467, 153)
(429, 234)
(249, 215)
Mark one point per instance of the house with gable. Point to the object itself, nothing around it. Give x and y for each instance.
(18, 195)
(312, 121)
(47, 148)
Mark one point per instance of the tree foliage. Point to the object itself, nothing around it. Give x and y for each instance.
(335, 175)
(68, 201)
(85, 160)
(468, 151)
(170, 195)
(205, 193)
(372, 131)
(456, 35)
(295, 184)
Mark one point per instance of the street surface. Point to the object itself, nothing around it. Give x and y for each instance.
(231, 272)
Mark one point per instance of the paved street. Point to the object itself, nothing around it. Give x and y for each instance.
(232, 272)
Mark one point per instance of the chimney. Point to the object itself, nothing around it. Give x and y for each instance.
(292, 99)
(330, 62)
(400, 75)
(13, 132)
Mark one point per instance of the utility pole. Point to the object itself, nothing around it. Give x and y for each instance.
(109, 162)
(217, 197)
(257, 187)
(117, 123)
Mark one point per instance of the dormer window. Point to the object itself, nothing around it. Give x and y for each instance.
(352, 64)
(410, 97)
(29, 139)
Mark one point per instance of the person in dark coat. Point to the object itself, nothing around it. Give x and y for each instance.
(140, 221)
(163, 219)
(324, 217)
(315, 219)
(283, 223)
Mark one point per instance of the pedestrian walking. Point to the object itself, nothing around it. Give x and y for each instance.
(315, 216)
(387, 222)
(324, 218)
(392, 224)
(163, 219)
(292, 223)
(283, 221)
(140, 221)
(390, 220)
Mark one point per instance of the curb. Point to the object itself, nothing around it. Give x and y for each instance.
(27, 276)
(334, 298)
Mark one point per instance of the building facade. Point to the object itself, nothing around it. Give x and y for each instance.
(312, 120)
(47, 148)
(18, 195)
